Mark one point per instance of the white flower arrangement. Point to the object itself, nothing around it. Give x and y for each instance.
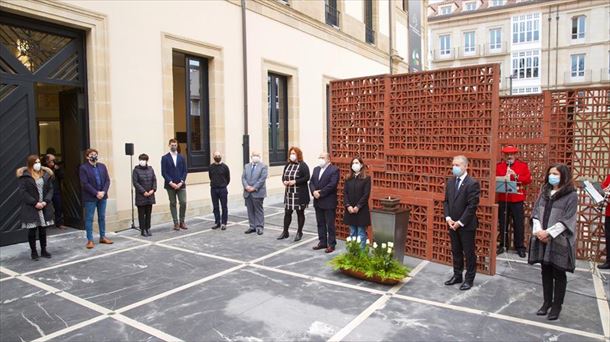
(375, 245)
(384, 245)
(368, 242)
(358, 239)
(391, 244)
(348, 239)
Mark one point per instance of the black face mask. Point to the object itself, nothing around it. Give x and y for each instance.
(93, 158)
(217, 159)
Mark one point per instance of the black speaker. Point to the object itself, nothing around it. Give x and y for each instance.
(129, 149)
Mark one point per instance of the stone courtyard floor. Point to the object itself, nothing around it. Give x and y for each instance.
(212, 285)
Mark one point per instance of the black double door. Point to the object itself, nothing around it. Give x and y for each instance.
(35, 54)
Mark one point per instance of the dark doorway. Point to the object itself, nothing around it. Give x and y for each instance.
(42, 106)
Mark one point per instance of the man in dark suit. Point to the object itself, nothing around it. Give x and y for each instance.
(461, 201)
(254, 181)
(173, 170)
(323, 187)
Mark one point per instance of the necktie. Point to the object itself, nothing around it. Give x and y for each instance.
(457, 184)
(252, 170)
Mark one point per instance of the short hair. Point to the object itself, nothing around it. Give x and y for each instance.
(89, 150)
(143, 156)
(172, 140)
(297, 151)
(463, 159)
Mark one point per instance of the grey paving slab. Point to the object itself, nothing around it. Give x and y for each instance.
(163, 232)
(310, 222)
(402, 320)
(516, 290)
(64, 248)
(28, 312)
(255, 305)
(106, 330)
(233, 243)
(131, 276)
(3, 275)
(304, 260)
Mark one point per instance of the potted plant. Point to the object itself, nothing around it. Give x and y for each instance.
(373, 263)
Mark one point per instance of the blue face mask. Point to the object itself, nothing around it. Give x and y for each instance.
(457, 171)
(554, 179)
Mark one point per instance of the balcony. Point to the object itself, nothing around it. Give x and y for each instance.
(474, 52)
(332, 15)
(446, 55)
(605, 75)
(503, 49)
(584, 78)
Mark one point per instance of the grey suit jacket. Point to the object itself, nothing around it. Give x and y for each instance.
(257, 179)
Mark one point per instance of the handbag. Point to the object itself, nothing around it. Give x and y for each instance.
(535, 251)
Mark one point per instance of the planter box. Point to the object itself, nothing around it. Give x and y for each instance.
(378, 280)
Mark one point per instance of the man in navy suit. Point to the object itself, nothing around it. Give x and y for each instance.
(173, 170)
(461, 202)
(323, 187)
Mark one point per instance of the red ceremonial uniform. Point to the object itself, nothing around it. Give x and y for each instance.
(604, 185)
(523, 178)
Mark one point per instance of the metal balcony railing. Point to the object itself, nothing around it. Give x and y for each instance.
(332, 15)
(583, 77)
(443, 55)
(605, 75)
(494, 49)
(473, 51)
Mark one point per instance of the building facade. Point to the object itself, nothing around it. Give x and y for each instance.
(540, 44)
(79, 74)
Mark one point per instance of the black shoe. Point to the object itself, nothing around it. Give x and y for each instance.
(142, 232)
(466, 285)
(148, 232)
(284, 235)
(454, 280)
(605, 266)
(500, 250)
(259, 231)
(543, 309)
(318, 246)
(34, 255)
(554, 314)
(216, 226)
(223, 227)
(250, 231)
(298, 237)
(521, 254)
(45, 254)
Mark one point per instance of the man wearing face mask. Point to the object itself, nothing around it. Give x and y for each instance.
(254, 181)
(511, 204)
(173, 170)
(95, 182)
(323, 187)
(460, 207)
(220, 177)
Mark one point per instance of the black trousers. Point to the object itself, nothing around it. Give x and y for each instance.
(42, 235)
(514, 210)
(288, 218)
(59, 216)
(220, 195)
(144, 212)
(462, 245)
(554, 284)
(607, 232)
(326, 226)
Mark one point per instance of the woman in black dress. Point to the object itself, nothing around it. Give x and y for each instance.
(296, 195)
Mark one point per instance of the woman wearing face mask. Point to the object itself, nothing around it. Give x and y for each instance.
(554, 225)
(296, 194)
(356, 193)
(145, 183)
(36, 187)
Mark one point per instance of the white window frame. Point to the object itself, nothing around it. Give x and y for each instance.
(526, 28)
(469, 43)
(575, 68)
(581, 27)
(470, 6)
(496, 3)
(444, 46)
(443, 10)
(525, 65)
(495, 39)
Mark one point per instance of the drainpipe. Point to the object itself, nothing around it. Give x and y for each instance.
(556, 43)
(390, 52)
(548, 76)
(244, 44)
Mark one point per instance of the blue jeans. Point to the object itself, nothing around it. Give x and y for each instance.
(360, 231)
(101, 217)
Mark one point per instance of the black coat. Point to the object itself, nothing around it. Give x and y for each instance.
(144, 180)
(356, 192)
(300, 182)
(463, 205)
(30, 197)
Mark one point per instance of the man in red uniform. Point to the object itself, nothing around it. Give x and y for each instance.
(606, 265)
(511, 205)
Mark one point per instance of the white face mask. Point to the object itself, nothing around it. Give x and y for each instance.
(256, 159)
(293, 157)
(321, 162)
(143, 163)
(37, 167)
(356, 167)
